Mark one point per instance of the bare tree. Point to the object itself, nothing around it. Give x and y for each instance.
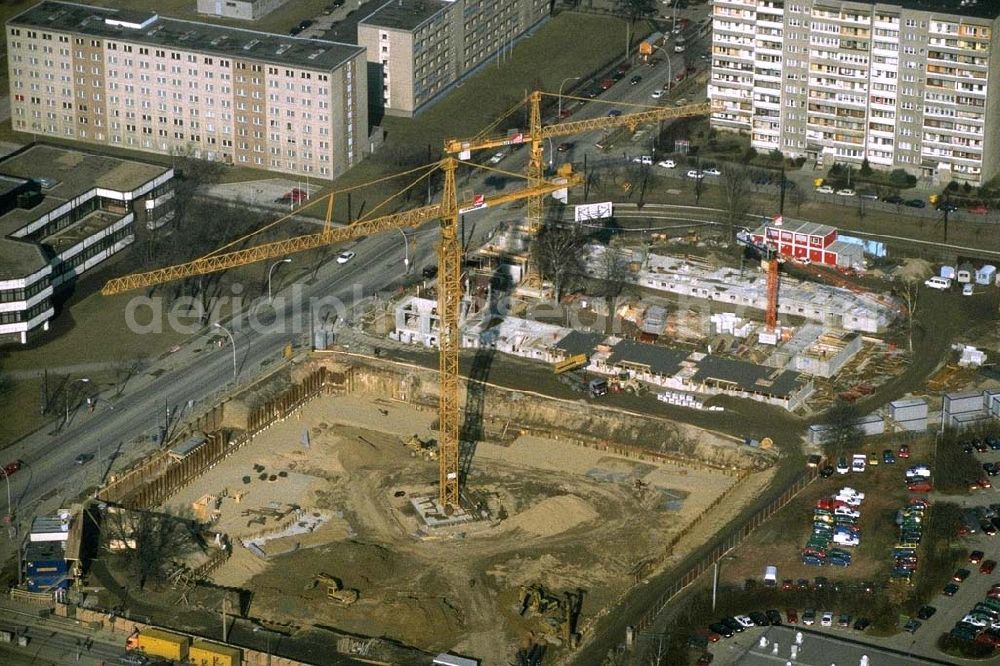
(842, 431)
(636, 9)
(557, 254)
(612, 280)
(797, 196)
(124, 368)
(909, 292)
(149, 543)
(737, 190)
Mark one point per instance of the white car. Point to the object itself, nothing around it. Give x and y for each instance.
(968, 290)
(497, 157)
(344, 257)
(846, 540)
(824, 189)
(667, 164)
(646, 160)
(846, 192)
(712, 171)
(846, 511)
(847, 491)
(657, 94)
(827, 619)
(697, 175)
(744, 621)
(858, 463)
(842, 466)
(974, 621)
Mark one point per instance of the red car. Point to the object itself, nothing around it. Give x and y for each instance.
(607, 83)
(679, 77)
(978, 209)
(984, 483)
(988, 638)
(904, 451)
(987, 566)
(792, 616)
(922, 486)
(11, 468)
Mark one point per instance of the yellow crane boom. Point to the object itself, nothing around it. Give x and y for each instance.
(449, 288)
(536, 134)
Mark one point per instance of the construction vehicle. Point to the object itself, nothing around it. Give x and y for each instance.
(334, 589)
(627, 383)
(449, 281)
(571, 363)
(534, 599)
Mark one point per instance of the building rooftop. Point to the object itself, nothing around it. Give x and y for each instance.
(579, 342)
(748, 377)
(975, 8)
(69, 173)
(819, 650)
(800, 227)
(660, 360)
(19, 259)
(150, 28)
(404, 14)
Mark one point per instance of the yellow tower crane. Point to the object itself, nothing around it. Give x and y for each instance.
(537, 134)
(449, 286)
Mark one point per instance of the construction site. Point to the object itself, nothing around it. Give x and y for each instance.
(332, 518)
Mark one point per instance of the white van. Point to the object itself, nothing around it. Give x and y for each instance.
(770, 576)
(938, 283)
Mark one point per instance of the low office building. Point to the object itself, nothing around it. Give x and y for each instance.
(136, 80)
(425, 46)
(248, 10)
(62, 212)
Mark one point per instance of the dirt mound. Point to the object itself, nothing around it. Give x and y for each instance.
(915, 269)
(552, 516)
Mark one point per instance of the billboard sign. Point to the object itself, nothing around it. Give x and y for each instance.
(478, 201)
(594, 211)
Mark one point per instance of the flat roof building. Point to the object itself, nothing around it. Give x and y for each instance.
(140, 81)
(247, 10)
(62, 212)
(420, 48)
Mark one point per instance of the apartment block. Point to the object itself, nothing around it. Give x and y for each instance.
(422, 47)
(136, 80)
(903, 84)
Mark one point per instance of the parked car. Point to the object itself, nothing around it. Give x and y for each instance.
(614, 113)
(496, 158)
(842, 466)
(960, 575)
(947, 206)
(667, 164)
(743, 621)
(915, 203)
(844, 620)
(12, 468)
(888, 458)
(911, 625)
(697, 175)
(657, 94)
(846, 192)
(83, 458)
(926, 612)
(976, 556)
(635, 80)
(893, 199)
(645, 160)
(809, 617)
(949, 590)
(987, 566)
(711, 171)
(826, 472)
(862, 623)
(824, 189)
(868, 194)
(904, 451)
(978, 209)
(721, 629)
(791, 616)
(564, 147)
(827, 619)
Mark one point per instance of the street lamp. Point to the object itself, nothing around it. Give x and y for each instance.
(406, 252)
(270, 271)
(233, 340)
(82, 380)
(715, 577)
(570, 78)
(552, 154)
(13, 525)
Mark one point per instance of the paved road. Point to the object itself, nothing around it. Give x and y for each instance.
(55, 641)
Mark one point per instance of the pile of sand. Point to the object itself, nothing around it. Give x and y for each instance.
(915, 269)
(552, 516)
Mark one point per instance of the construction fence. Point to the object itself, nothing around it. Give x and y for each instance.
(724, 542)
(162, 474)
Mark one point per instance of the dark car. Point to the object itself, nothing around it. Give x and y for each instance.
(915, 203)
(12, 468)
(721, 629)
(826, 472)
(976, 556)
(733, 625)
(960, 575)
(947, 206)
(990, 469)
(862, 623)
(868, 194)
(635, 79)
(911, 626)
(563, 147)
(926, 612)
(792, 616)
(844, 620)
(305, 23)
(949, 590)
(429, 272)
(893, 199)
(759, 619)
(83, 458)
(987, 566)
(294, 31)
(773, 617)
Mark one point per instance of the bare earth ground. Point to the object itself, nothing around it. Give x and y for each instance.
(575, 519)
